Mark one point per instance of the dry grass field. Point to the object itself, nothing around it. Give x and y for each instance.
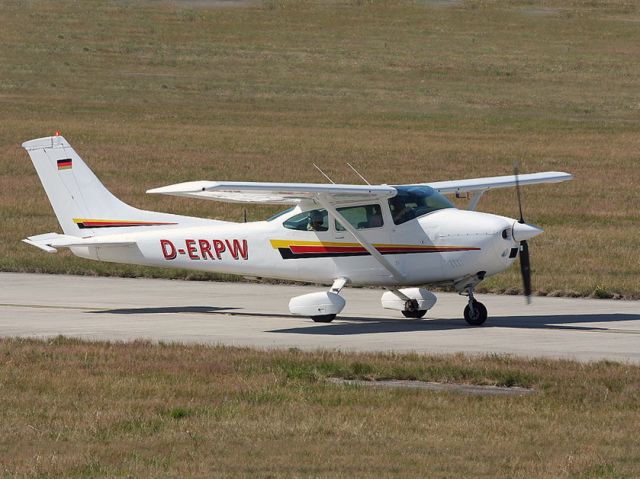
(74, 409)
(156, 92)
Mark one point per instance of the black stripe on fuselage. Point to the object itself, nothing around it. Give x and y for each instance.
(286, 253)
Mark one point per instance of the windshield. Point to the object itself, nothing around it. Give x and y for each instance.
(414, 201)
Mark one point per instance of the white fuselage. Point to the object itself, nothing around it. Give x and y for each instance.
(441, 246)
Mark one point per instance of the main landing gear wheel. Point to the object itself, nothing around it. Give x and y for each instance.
(325, 318)
(475, 313)
(417, 314)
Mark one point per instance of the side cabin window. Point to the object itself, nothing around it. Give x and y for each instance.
(414, 201)
(361, 217)
(313, 220)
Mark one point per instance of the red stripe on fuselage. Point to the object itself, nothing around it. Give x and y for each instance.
(321, 249)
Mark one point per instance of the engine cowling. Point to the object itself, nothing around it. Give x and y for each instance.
(317, 304)
(425, 299)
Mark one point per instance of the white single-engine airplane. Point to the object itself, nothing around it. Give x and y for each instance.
(399, 237)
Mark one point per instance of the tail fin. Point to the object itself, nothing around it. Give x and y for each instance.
(82, 204)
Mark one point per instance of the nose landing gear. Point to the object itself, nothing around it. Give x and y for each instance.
(475, 313)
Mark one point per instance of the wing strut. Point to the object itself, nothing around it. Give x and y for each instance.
(397, 275)
(475, 199)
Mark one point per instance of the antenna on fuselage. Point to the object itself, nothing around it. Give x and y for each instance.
(358, 173)
(324, 174)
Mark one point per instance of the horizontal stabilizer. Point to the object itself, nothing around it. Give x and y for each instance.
(49, 242)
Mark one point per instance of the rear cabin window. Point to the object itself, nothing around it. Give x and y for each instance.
(313, 220)
(361, 217)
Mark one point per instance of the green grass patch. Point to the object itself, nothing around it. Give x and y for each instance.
(94, 409)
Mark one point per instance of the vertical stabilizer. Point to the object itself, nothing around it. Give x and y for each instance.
(82, 204)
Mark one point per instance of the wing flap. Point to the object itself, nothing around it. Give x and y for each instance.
(274, 193)
(481, 184)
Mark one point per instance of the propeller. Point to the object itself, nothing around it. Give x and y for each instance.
(525, 263)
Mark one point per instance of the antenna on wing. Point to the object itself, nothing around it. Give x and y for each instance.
(358, 173)
(324, 174)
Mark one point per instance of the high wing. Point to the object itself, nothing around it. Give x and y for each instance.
(275, 193)
(292, 193)
(483, 184)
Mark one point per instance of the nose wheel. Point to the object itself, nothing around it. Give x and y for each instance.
(475, 313)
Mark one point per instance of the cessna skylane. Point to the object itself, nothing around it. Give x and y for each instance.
(400, 237)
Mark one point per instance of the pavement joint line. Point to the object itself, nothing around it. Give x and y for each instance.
(45, 306)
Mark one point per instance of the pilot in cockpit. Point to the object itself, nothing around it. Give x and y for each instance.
(315, 221)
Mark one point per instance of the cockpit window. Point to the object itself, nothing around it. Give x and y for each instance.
(314, 220)
(414, 201)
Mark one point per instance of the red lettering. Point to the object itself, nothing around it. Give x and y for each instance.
(191, 248)
(219, 247)
(205, 249)
(237, 250)
(168, 249)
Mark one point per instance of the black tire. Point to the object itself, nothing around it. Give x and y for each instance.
(417, 314)
(325, 318)
(480, 315)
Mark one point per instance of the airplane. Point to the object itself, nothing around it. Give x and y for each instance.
(400, 238)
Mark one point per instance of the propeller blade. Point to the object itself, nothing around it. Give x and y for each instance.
(525, 269)
(528, 231)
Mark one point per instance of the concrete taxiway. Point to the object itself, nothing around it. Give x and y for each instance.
(249, 314)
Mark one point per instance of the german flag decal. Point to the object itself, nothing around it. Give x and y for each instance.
(64, 164)
(313, 249)
(84, 223)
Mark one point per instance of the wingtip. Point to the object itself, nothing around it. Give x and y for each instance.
(42, 246)
(46, 142)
